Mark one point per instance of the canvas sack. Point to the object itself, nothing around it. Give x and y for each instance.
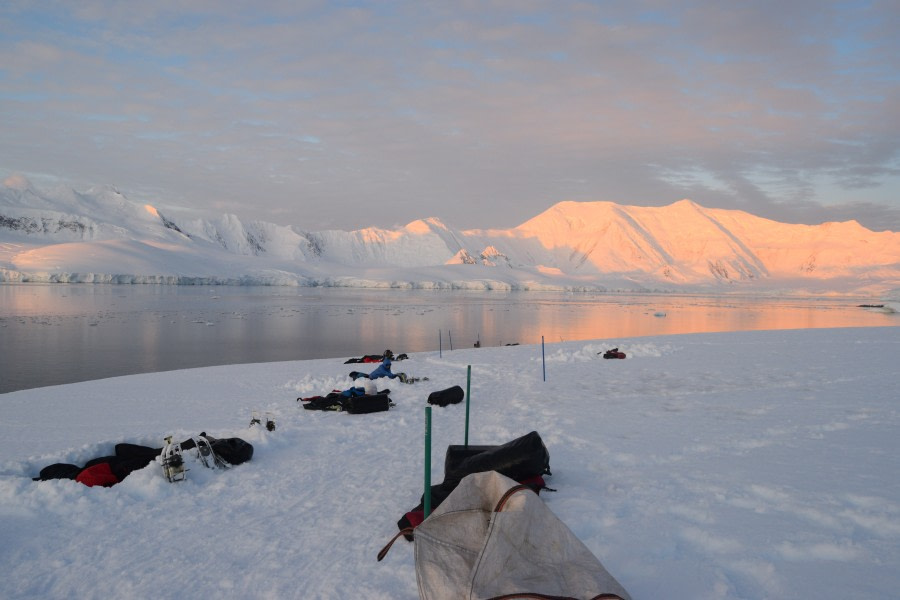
(494, 538)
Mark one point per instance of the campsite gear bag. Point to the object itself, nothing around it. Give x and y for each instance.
(521, 458)
(357, 405)
(452, 395)
(525, 459)
(494, 538)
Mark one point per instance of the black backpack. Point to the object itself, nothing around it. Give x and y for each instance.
(453, 395)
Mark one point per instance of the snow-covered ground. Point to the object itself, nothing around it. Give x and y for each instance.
(735, 465)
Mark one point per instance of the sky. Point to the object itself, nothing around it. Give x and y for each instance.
(342, 115)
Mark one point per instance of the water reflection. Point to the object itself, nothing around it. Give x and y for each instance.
(52, 334)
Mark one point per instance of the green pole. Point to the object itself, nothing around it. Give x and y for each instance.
(543, 360)
(427, 495)
(468, 389)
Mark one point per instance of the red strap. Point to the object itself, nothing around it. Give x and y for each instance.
(384, 551)
(502, 503)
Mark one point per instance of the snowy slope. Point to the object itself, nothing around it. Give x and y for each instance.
(99, 235)
(726, 466)
(687, 242)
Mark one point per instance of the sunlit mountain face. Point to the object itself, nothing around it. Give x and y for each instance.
(101, 236)
(687, 242)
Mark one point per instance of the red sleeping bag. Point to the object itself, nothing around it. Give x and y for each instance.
(99, 474)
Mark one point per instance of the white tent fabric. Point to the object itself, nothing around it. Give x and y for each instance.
(492, 537)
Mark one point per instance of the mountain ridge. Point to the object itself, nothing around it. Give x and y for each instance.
(99, 235)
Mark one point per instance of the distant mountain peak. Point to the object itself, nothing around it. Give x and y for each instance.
(17, 182)
(429, 225)
(99, 234)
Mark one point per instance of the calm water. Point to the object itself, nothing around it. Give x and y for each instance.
(55, 334)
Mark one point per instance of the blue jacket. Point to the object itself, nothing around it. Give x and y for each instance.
(354, 391)
(383, 370)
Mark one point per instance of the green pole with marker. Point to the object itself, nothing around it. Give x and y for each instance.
(427, 494)
(468, 394)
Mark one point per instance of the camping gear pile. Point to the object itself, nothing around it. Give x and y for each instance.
(375, 358)
(384, 369)
(107, 471)
(362, 398)
(355, 400)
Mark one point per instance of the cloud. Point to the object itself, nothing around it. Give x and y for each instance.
(345, 115)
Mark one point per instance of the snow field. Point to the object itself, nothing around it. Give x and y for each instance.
(737, 465)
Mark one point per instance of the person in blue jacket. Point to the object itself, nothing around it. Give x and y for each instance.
(384, 370)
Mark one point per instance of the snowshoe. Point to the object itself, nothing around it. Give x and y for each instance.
(204, 451)
(172, 461)
(270, 422)
(206, 454)
(254, 418)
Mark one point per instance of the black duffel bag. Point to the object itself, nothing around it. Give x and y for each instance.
(520, 458)
(358, 405)
(453, 395)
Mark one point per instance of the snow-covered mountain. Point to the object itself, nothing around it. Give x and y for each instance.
(101, 236)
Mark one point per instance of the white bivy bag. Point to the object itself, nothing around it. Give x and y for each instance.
(494, 538)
